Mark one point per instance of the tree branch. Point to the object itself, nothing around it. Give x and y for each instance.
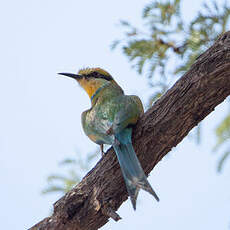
(95, 199)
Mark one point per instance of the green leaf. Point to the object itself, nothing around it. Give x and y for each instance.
(115, 44)
(222, 161)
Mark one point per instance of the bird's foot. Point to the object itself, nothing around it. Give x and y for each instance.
(102, 150)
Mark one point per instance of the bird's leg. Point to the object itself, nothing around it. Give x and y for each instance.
(102, 150)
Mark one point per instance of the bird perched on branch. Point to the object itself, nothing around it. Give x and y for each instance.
(110, 120)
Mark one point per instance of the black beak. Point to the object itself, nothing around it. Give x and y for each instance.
(72, 75)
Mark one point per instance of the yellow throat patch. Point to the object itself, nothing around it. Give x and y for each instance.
(92, 84)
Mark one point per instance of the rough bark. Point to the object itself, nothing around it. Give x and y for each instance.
(95, 199)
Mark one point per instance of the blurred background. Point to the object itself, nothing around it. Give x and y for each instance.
(146, 46)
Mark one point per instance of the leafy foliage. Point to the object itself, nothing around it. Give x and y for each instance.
(223, 137)
(75, 169)
(167, 46)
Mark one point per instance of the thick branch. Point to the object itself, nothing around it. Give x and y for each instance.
(89, 205)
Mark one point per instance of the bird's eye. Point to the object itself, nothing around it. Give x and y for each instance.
(95, 74)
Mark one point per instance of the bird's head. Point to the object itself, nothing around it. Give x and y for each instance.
(91, 79)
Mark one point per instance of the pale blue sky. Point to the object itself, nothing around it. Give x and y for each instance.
(40, 117)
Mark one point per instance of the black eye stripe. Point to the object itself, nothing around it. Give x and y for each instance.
(98, 75)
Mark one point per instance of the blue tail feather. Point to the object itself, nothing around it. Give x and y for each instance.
(132, 171)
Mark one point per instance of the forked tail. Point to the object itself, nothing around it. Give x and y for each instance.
(132, 171)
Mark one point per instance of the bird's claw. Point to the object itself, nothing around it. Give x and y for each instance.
(102, 151)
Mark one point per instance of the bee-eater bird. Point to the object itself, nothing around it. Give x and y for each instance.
(110, 120)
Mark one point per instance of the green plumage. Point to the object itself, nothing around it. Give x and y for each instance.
(110, 120)
(115, 112)
(110, 108)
